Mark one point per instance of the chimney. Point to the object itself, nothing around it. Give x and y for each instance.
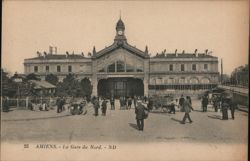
(55, 50)
(221, 79)
(195, 52)
(94, 51)
(38, 54)
(146, 50)
(206, 51)
(50, 50)
(183, 52)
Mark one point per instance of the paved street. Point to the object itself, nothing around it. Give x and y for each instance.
(120, 125)
(164, 138)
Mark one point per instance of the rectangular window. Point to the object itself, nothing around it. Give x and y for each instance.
(171, 67)
(58, 68)
(194, 67)
(35, 68)
(47, 68)
(205, 67)
(69, 68)
(182, 67)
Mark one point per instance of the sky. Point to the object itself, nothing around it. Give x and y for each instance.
(219, 26)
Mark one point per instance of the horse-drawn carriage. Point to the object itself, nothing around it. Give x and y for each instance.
(77, 107)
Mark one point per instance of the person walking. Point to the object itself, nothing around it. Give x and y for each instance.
(232, 107)
(224, 108)
(129, 103)
(215, 103)
(112, 103)
(187, 109)
(135, 101)
(59, 103)
(172, 106)
(140, 115)
(104, 107)
(181, 103)
(204, 103)
(96, 105)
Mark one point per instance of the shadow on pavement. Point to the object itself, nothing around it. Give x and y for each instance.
(215, 117)
(174, 119)
(133, 126)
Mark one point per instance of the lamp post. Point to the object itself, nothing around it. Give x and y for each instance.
(18, 81)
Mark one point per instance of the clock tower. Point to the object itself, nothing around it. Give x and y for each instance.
(120, 35)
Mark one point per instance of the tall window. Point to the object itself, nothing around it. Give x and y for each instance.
(58, 68)
(205, 67)
(35, 68)
(194, 67)
(182, 67)
(69, 68)
(47, 68)
(171, 67)
(120, 66)
(111, 68)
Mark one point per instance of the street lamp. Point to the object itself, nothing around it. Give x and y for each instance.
(18, 81)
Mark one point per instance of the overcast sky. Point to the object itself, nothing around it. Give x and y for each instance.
(30, 26)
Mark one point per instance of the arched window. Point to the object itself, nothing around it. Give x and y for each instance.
(182, 80)
(194, 81)
(120, 66)
(205, 81)
(111, 68)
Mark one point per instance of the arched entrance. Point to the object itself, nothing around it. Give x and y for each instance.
(120, 87)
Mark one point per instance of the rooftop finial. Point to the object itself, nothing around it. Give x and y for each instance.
(120, 15)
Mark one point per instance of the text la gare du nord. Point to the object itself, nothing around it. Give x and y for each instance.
(73, 146)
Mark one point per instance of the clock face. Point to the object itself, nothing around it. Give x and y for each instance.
(120, 32)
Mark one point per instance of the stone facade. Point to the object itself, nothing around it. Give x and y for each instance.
(161, 74)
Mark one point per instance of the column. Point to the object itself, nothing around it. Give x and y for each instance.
(94, 81)
(94, 84)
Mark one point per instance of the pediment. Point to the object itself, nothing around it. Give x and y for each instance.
(116, 46)
(119, 55)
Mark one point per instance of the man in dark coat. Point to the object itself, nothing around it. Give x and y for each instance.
(224, 108)
(104, 107)
(181, 103)
(59, 103)
(96, 105)
(129, 103)
(187, 110)
(232, 106)
(140, 115)
(112, 103)
(204, 103)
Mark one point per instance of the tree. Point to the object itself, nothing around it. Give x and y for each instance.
(8, 87)
(51, 78)
(69, 87)
(86, 87)
(32, 76)
(240, 75)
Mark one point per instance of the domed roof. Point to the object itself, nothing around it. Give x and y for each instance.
(120, 25)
